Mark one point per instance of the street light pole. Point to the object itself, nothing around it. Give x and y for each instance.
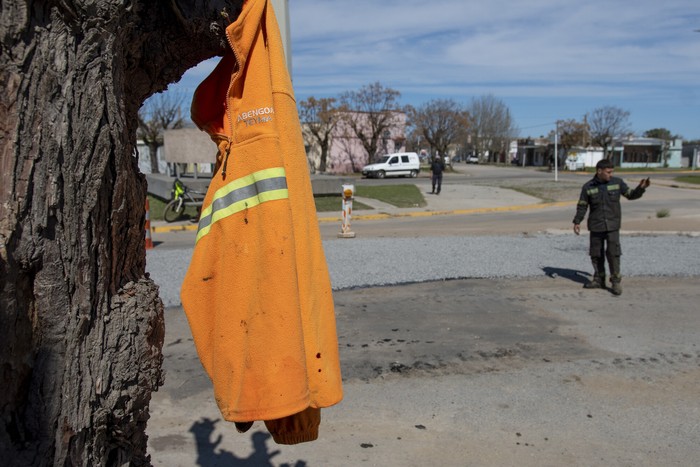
(556, 152)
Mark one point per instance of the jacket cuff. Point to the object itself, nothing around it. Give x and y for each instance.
(298, 428)
(311, 434)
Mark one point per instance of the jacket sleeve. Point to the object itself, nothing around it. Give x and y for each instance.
(581, 206)
(629, 193)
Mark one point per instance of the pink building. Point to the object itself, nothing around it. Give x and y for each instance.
(347, 154)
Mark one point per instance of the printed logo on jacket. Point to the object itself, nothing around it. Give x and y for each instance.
(256, 116)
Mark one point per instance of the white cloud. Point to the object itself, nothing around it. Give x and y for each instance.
(513, 40)
(553, 52)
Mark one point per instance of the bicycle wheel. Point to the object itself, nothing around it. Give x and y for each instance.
(173, 210)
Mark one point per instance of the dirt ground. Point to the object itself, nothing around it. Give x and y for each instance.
(533, 372)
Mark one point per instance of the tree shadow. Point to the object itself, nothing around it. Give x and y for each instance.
(209, 455)
(574, 275)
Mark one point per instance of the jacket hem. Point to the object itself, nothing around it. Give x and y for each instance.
(267, 414)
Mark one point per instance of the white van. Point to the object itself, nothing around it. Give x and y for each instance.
(394, 165)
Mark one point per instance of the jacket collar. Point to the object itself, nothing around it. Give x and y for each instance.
(208, 111)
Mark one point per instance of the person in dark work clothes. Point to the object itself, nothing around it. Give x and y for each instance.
(436, 168)
(602, 195)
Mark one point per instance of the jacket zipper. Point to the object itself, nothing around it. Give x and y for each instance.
(228, 110)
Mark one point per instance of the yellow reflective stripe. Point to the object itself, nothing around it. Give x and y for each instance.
(613, 187)
(243, 193)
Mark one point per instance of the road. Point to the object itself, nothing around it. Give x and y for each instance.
(640, 215)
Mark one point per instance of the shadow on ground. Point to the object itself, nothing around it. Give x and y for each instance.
(209, 454)
(574, 275)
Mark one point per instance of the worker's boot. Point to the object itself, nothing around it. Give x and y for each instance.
(598, 280)
(615, 276)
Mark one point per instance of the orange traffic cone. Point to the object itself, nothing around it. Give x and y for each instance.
(149, 240)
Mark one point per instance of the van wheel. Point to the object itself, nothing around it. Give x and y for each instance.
(414, 173)
(381, 174)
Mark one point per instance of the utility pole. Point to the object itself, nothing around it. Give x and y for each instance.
(282, 12)
(556, 151)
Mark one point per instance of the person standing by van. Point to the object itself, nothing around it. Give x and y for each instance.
(436, 168)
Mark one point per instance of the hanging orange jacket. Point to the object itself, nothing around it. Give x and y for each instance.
(257, 293)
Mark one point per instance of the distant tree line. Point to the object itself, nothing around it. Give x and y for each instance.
(484, 127)
(601, 128)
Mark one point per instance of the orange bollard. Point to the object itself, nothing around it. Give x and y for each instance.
(149, 240)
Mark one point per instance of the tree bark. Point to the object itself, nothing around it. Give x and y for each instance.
(81, 324)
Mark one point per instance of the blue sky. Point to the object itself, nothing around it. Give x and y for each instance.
(546, 59)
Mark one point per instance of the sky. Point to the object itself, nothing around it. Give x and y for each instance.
(547, 60)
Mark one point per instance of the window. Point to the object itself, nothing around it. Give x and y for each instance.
(394, 160)
(404, 159)
(642, 154)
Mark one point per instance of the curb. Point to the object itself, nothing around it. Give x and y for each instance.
(385, 215)
(173, 228)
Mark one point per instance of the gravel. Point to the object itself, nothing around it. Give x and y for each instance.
(388, 261)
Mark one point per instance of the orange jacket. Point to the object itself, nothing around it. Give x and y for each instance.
(257, 293)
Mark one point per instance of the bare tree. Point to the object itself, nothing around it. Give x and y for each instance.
(319, 118)
(370, 114)
(441, 122)
(81, 324)
(161, 112)
(571, 134)
(606, 124)
(492, 126)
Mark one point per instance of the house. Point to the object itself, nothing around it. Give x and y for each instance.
(647, 152)
(346, 153)
(532, 151)
(626, 153)
(690, 156)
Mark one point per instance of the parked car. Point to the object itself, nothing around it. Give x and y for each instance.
(472, 159)
(394, 165)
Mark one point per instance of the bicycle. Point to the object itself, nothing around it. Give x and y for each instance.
(182, 198)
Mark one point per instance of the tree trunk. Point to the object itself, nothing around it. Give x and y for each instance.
(153, 152)
(81, 324)
(324, 158)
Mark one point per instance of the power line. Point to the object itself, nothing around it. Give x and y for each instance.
(538, 126)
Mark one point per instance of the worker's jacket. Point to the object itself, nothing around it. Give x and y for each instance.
(604, 201)
(257, 293)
